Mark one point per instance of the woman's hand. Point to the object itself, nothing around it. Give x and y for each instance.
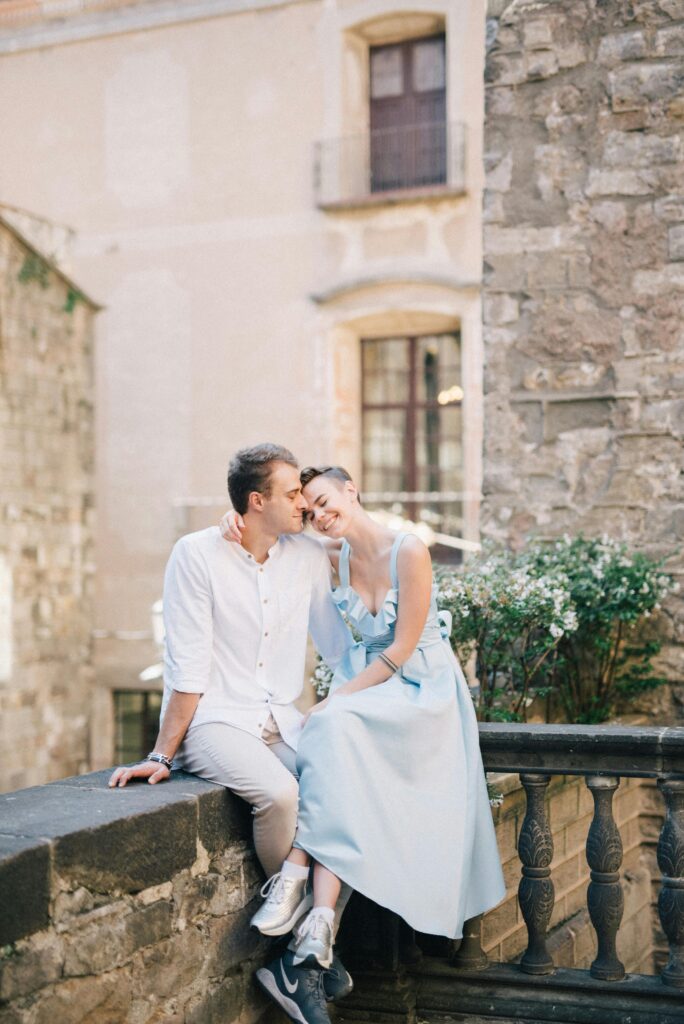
(315, 708)
(231, 526)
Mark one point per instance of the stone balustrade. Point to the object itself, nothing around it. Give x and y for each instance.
(463, 983)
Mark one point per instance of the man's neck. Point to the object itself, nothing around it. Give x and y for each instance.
(257, 541)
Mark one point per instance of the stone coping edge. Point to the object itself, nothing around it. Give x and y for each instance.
(116, 841)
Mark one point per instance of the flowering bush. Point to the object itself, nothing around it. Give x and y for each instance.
(606, 658)
(513, 619)
(560, 619)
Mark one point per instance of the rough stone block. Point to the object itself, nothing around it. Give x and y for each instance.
(104, 999)
(623, 182)
(538, 33)
(231, 941)
(501, 309)
(669, 41)
(170, 967)
(670, 208)
(675, 242)
(549, 271)
(633, 86)
(565, 416)
(541, 64)
(658, 282)
(637, 149)
(24, 886)
(33, 965)
(504, 273)
(614, 49)
(531, 416)
(223, 816)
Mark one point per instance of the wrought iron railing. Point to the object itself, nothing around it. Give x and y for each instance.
(390, 162)
(466, 983)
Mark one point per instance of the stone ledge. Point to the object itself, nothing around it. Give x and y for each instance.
(109, 840)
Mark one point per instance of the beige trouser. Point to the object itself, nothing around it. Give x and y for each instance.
(263, 771)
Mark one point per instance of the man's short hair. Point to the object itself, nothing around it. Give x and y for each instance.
(250, 470)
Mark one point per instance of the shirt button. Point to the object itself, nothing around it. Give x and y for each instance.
(265, 600)
(261, 664)
(266, 633)
(261, 570)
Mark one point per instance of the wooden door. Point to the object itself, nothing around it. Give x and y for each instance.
(408, 114)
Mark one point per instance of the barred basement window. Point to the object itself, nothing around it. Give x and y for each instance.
(136, 714)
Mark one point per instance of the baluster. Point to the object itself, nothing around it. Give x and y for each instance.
(605, 898)
(535, 892)
(671, 864)
(470, 955)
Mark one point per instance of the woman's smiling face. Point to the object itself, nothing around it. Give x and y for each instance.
(331, 504)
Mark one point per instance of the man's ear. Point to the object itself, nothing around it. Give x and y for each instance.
(255, 502)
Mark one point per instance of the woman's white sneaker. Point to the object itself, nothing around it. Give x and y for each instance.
(314, 940)
(286, 902)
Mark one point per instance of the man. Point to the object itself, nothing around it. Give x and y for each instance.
(236, 618)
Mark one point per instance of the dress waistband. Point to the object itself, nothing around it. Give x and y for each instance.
(432, 634)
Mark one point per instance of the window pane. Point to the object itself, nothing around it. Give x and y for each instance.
(384, 450)
(429, 70)
(438, 369)
(439, 452)
(386, 67)
(385, 371)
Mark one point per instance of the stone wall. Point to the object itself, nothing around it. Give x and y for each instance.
(46, 517)
(141, 917)
(584, 277)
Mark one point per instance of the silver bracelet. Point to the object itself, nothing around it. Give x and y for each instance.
(160, 759)
(390, 664)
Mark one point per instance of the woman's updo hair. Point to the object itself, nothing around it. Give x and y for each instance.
(310, 473)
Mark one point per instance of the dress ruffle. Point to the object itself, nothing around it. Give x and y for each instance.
(349, 602)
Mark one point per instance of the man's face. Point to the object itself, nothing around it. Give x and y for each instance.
(285, 507)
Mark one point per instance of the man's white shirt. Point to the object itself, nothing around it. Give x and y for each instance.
(236, 629)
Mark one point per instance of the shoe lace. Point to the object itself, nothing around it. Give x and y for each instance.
(274, 889)
(315, 982)
(315, 926)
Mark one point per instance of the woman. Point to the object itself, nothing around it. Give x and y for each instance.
(393, 799)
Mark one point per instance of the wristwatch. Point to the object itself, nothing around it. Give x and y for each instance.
(160, 758)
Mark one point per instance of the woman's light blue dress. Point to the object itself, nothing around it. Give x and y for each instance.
(393, 797)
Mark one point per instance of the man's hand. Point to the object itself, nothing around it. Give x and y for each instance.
(231, 526)
(150, 770)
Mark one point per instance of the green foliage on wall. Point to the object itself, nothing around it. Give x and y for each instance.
(34, 268)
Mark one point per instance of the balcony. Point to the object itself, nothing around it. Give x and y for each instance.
(392, 165)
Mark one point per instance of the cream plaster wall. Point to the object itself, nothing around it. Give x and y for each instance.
(182, 155)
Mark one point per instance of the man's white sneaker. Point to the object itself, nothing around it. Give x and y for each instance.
(286, 901)
(314, 941)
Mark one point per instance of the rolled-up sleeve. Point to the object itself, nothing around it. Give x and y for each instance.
(188, 620)
(328, 629)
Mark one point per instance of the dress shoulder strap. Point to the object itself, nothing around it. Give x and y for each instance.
(393, 558)
(343, 564)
